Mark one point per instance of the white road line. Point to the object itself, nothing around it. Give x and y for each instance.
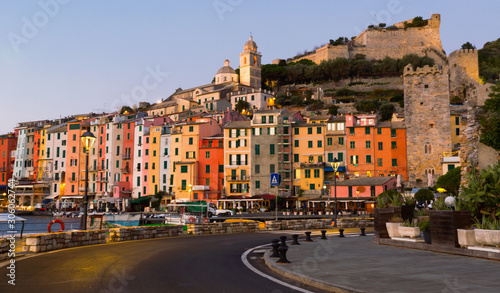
(253, 269)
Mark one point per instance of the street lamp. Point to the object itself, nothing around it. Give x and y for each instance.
(357, 201)
(88, 140)
(335, 165)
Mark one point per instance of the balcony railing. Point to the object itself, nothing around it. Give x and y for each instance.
(126, 170)
(237, 178)
(126, 156)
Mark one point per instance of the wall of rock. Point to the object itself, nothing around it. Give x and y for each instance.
(298, 224)
(4, 248)
(53, 241)
(222, 228)
(138, 233)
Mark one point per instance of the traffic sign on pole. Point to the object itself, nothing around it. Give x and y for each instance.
(275, 179)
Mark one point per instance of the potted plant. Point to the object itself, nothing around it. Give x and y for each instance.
(388, 205)
(424, 226)
(408, 228)
(488, 232)
(444, 223)
(466, 235)
(393, 226)
(407, 208)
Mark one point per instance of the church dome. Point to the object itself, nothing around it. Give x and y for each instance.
(226, 68)
(250, 45)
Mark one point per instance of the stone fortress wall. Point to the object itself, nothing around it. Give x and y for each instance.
(377, 43)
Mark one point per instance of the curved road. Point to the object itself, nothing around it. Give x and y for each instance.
(179, 264)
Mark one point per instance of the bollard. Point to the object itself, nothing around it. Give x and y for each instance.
(283, 241)
(323, 234)
(308, 237)
(282, 250)
(295, 239)
(275, 246)
(341, 231)
(362, 231)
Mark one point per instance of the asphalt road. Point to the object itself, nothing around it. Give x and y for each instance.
(181, 264)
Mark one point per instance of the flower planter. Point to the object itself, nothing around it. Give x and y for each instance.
(381, 217)
(412, 232)
(320, 213)
(487, 237)
(407, 212)
(466, 237)
(393, 229)
(444, 225)
(295, 213)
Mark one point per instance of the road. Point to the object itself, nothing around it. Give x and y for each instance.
(180, 264)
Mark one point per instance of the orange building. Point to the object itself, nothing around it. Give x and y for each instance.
(72, 160)
(8, 144)
(375, 149)
(211, 168)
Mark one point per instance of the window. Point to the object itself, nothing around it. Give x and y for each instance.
(311, 159)
(296, 131)
(190, 141)
(379, 130)
(271, 118)
(379, 162)
(368, 144)
(329, 141)
(74, 150)
(263, 119)
(457, 131)
(176, 151)
(221, 168)
(351, 131)
(312, 186)
(354, 160)
(183, 185)
(320, 159)
(207, 155)
(393, 132)
(257, 149)
(309, 130)
(257, 184)
(330, 157)
(271, 149)
(207, 169)
(341, 141)
(295, 157)
(318, 130)
(457, 120)
(340, 157)
(310, 144)
(308, 173)
(165, 165)
(394, 145)
(272, 168)
(380, 146)
(320, 143)
(190, 128)
(367, 130)
(316, 173)
(296, 143)
(368, 159)
(257, 169)
(353, 144)
(184, 169)
(394, 162)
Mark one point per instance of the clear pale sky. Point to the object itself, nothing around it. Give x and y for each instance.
(71, 57)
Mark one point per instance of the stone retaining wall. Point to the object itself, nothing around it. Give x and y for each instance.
(53, 241)
(298, 224)
(354, 223)
(223, 228)
(137, 233)
(4, 248)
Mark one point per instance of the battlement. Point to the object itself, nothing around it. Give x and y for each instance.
(421, 70)
(467, 51)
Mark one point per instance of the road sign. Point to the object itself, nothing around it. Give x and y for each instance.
(275, 179)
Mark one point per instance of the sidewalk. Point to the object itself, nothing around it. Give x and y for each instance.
(355, 264)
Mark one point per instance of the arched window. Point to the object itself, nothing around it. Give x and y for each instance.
(244, 60)
(254, 60)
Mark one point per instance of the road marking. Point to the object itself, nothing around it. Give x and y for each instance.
(253, 269)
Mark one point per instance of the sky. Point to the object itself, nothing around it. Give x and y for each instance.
(65, 57)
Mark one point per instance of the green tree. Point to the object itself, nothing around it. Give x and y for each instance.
(468, 45)
(126, 110)
(490, 120)
(386, 111)
(424, 195)
(155, 200)
(333, 110)
(450, 181)
(241, 105)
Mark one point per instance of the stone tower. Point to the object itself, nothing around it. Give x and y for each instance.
(467, 59)
(250, 71)
(427, 118)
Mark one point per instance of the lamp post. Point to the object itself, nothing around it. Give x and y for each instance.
(88, 140)
(335, 165)
(357, 202)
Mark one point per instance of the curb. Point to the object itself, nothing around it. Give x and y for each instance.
(320, 284)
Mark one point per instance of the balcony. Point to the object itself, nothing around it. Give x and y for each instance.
(237, 178)
(102, 179)
(177, 131)
(126, 170)
(3, 169)
(309, 165)
(126, 156)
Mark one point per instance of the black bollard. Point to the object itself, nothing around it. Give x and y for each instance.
(275, 245)
(308, 237)
(323, 234)
(283, 241)
(282, 250)
(295, 239)
(362, 231)
(341, 231)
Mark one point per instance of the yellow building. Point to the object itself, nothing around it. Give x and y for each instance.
(308, 158)
(185, 145)
(237, 158)
(457, 125)
(154, 158)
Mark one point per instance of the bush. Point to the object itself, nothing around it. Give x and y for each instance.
(333, 110)
(386, 111)
(424, 195)
(450, 181)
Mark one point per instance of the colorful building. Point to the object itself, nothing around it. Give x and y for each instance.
(211, 168)
(237, 156)
(8, 143)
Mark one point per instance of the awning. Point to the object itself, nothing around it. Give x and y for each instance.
(264, 196)
(330, 169)
(52, 196)
(71, 196)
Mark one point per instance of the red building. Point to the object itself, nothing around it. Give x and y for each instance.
(8, 144)
(211, 168)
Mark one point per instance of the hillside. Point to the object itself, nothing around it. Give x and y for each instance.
(489, 61)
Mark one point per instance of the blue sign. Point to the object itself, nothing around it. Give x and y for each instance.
(275, 179)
